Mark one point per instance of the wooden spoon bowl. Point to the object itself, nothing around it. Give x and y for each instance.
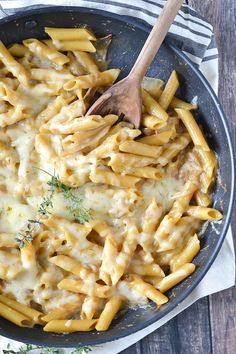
(124, 98)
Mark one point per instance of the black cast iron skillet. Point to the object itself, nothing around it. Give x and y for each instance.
(129, 36)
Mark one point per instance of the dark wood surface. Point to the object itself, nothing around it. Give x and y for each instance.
(209, 325)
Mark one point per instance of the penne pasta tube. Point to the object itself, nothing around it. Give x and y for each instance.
(152, 217)
(110, 310)
(177, 103)
(202, 199)
(113, 179)
(134, 147)
(9, 95)
(79, 286)
(17, 50)
(157, 139)
(176, 277)
(83, 125)
(62, 313)
(183, 229)
(204, 213)
(50, 74)
(82, 45)
(146, 270)
(28, 257)
(71, 265)
(209, 164)
(180, 205)
(49, 89)
(69, 326)
(136, 283)
(42, 50)
(13, 66)
(153, 107)
(15, 317)
(187, 254)
(111, 143)
(172, 150)
(69, 34)
(66, 114)
(193, 128)
(110, 252)
(89, 308)
(147, 172)
(169, 91)
(14, 115)
(104, 78)
(86, 60)
(152, 122)
(124, 257)
(33, 314)
(102, 228)
(122, 162)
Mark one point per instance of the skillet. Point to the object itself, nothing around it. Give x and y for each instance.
(129, 35)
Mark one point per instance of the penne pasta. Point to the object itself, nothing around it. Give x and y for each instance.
(152, 122)
(73, 45)
(110, 310)
(86, 61)
(78, 286)
(169, 90)
(157, 139)
(15, 317)
(180, 205)
(42, 50)
(33, 314)
(13, 66)
(187, 254)
(90, 307)
(136, 283)
(104, 78)
(134, 147)
(17, 50)
(113, 179)
(176, 277)
(204, 213)
(69, 326)
(153, 107)
(94, 213)
(69, 34)
(192, 128)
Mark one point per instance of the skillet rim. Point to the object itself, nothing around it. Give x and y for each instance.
(141, 24)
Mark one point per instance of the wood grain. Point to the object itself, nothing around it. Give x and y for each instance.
(222, 15)
(208, 326)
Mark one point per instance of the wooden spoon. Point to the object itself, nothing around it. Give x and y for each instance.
(124, 98)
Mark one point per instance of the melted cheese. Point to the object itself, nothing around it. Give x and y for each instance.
(14, 214)
(23, 188)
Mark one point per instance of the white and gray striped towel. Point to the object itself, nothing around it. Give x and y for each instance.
(195, 37)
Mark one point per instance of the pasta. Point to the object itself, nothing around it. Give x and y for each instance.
(95, 214)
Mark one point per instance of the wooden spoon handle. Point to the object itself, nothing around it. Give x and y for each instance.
(155, 39)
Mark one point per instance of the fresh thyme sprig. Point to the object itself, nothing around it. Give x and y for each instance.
(74, 202)
(74, 206)
(29, 348)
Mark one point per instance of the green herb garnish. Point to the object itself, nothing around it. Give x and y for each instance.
(28, 348)
(73, 205)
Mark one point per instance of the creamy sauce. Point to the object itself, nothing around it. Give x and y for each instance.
(30, 154)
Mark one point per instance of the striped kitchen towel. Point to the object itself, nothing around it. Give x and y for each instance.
(195, 37)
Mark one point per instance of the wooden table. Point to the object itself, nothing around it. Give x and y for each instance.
(209, 325)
